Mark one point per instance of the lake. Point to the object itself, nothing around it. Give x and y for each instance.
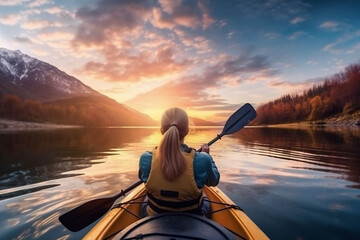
(293, 183)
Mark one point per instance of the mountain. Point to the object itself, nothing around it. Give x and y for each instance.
(34, 90)
(200, 122)
(94, 111)
(31, 78)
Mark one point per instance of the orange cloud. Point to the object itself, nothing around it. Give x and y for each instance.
(185, 93)
(195, 92)
(10, 19)
(129, 36)
(121, 67)
(39, 24)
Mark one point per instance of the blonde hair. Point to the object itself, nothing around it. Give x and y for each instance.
(174, 127)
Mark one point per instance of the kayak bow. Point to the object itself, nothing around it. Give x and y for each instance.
(123, 221)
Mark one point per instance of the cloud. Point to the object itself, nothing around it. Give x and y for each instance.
(347, 43)
(186, 93)
(12, 2)
(245, 63)
(272, 35)
(61, 12)
(56, 40)
(280, 9)
(186, 13)
(288, 87)
(22, 40)
(109, 19)
(296, 35)
(40, 24)
(55, 36)
(311, 62)
(231, 34)
(354, 49)
(53, 10)
(331, 48)
(133, 40)
(10, 19)
(198, 43)
(297, 20)
(123, 67)
(38, 3)
(39, 52)
(193, 91)
(330, 25)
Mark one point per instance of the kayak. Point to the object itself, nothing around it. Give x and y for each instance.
(226, 221)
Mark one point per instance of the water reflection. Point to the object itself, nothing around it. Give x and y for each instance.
(324, 150)
(32, 157)
(35, 216)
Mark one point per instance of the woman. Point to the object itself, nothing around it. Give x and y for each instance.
(174, 174)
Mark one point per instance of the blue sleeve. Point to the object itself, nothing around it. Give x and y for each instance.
(145, 166)
(205, 170)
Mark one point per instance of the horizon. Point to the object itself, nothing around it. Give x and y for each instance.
(207, 57)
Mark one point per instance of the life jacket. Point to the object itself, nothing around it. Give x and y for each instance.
(181, 194)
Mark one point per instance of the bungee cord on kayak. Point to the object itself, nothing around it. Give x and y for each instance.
(227, 206)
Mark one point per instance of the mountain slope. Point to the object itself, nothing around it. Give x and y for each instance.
(94, 111)
(33, 90)
(335, 101)
(200, 122)
(31, 78)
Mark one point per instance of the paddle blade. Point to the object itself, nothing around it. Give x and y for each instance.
(86, 213)
(239, 119)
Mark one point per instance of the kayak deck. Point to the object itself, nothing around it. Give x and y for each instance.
(223, 212)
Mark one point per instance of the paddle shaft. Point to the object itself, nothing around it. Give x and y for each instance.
(212, 141)
(89, 212)
(128, 189)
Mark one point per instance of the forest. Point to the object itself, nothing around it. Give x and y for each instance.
(337, 95)
(84, 111)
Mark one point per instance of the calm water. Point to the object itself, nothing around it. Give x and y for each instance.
(294, 184)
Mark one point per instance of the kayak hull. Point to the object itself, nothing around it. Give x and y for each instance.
(129, 211)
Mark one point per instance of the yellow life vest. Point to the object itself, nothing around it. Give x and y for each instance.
(181, 194)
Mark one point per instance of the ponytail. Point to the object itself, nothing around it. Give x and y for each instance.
(174, 127)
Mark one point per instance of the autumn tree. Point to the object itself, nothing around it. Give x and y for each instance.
(338, 94)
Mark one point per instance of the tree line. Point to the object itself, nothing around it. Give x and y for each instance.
(339, 94)
(85, 111)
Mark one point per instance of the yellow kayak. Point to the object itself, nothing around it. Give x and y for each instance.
(227, 221)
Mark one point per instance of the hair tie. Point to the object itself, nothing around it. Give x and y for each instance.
(173, 125)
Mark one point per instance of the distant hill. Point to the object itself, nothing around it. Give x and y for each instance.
(94, 111)
(337, 100)
(201, 122)
(33, 90)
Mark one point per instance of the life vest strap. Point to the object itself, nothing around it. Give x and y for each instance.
(175, 205)
(159, 210)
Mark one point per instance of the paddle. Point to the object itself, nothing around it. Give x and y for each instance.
(236, 121)
(87, 213)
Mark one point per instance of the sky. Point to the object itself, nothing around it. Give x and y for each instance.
(208, 57)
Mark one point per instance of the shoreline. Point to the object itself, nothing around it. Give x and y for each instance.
(347, 120)
(9, 125)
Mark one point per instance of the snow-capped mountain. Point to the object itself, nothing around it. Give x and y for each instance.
(63, 98)
(31, 78)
